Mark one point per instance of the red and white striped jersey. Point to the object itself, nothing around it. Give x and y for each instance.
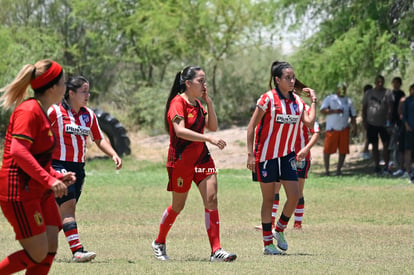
(304, 136)
(276, 133)
(72, 130)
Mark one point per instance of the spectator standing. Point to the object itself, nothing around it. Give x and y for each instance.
(408, 120)
(365, 151)
(397, 125)
(338, 108)
(376, 115)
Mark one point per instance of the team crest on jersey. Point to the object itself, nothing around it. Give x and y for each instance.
(50, 133)
(180, 182)
(86, 118)
(296, 107)
(190, 115)
(287, 119)
(38, 218)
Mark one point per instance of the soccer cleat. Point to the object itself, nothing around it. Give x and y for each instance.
(405, 175)
(160, 251)
(297, 226)
(82, 256)
(271, 250)
(222, 256)
(281, 241)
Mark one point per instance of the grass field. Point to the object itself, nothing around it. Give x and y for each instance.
(352, 225)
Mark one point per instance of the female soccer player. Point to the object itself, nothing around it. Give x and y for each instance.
(272, 159)
(28, 183)
(72, 123)
(189, 159)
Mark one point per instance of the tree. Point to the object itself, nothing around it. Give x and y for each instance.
(354, 40)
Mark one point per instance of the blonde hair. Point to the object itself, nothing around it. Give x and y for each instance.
(16, 91)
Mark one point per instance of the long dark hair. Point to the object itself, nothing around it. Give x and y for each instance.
(178, 87)
(276, 69)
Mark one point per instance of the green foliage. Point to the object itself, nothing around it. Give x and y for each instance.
(356, 40)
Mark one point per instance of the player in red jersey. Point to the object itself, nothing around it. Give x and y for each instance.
(189, 158)
(72, 123)
(272, 158)
(28, 183)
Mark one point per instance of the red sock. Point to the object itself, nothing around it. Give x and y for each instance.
(16, 262)
(274, 209)
(167, 221)
(282, 223)
(300, 209)
(213, 228)
(267, 234)
(72, 236)
(43, 267)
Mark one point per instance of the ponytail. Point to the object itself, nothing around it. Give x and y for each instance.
(15, 92)
(178, 87)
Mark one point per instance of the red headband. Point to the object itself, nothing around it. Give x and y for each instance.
(46, 77)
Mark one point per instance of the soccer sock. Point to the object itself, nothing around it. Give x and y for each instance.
(267, 233)
(300, 209)
(16, 262)
(72, 236)
(282, 223)
(275, 208)
(213, 228)
(167, 221)
(43, 267)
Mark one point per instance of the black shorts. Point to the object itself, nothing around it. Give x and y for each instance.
(303, 168)
(409, 140)
(374, 131)
(277, 169)
(74, 190)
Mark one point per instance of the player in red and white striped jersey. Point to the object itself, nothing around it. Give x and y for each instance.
(272, 159)
(72, 123)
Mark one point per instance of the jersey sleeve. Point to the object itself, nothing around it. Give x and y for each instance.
(25, 125)
(177, 109)
(263, 102)
(325, 103)
(96, 133)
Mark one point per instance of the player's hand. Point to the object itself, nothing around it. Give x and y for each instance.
(118, 162)
(251, 162)
(218, 142)
(69, 178)
(59, 189)
(204, 95)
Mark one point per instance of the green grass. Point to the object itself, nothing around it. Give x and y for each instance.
(352, 224)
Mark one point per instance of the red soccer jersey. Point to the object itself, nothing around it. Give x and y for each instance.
(304, 136)
(72, 130)
(27, 122)
(194, 119)
(276, 133)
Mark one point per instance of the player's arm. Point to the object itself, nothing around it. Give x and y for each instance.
(187, 134)
(257, 116)
(106, 147)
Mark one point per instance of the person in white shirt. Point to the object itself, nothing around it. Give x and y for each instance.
(338, 108)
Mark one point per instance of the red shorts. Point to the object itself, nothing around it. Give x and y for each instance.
(335, 140)
(30, 218)
(181, 175)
